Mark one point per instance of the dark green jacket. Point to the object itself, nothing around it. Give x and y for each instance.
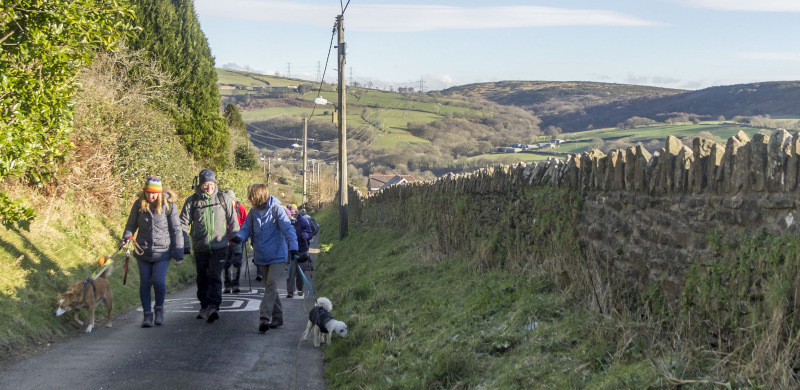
(208, 221)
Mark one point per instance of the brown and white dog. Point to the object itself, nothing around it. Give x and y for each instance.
(87, 294)
(321, 322)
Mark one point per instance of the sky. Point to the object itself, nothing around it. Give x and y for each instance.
(436, 44)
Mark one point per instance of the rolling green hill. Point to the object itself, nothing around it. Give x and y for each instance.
(462, 127)
(575, 106)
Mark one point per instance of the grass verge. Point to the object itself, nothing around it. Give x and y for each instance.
(421, 320)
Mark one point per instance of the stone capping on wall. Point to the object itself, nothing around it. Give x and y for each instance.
(765, 164)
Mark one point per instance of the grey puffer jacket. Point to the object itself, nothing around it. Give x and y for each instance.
(208, 221)
(159, 235)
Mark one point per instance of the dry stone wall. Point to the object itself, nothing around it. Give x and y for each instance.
(646, 217)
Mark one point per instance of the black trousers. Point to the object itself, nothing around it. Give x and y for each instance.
(209, 277)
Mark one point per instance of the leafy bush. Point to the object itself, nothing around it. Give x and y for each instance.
(41, 56)
(245, 158)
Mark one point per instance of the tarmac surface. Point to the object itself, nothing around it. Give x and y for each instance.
(185, 352)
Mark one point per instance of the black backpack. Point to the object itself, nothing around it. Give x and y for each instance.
(314, 226)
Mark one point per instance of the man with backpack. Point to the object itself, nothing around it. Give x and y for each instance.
(312, 223)
(209, 222)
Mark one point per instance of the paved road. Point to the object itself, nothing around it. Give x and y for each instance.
(184, 353)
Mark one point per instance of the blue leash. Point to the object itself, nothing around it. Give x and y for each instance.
(310, 289)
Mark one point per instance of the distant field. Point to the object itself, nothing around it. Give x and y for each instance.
(236, 78)
(273, 112)
(391, 141)
(225, 76)
(721, 130)
(580, 142)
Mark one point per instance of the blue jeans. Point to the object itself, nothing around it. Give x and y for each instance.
(152, 275)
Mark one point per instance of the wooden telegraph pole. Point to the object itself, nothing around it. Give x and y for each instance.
(342, 131)
(305, 157)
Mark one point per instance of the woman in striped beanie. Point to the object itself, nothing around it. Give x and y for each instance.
(155, 217)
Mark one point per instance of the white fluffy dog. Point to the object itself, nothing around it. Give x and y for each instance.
(322, 322)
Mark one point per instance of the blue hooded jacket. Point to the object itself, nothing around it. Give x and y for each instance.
(269, 237)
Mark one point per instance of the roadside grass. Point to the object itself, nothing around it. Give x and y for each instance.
(62, 248)
(419, 319)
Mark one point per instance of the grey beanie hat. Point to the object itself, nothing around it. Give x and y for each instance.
(207, 175)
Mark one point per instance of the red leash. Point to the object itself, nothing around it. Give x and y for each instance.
(137, 249)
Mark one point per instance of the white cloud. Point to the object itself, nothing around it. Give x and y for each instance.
(412, 18)
(770, 56)
(744, 5)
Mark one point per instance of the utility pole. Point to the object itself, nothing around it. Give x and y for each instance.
(421, 85)
(305, 156)
(342, 131)
(289, 69)
(319, 70)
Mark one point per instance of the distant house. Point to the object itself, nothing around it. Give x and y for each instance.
(282, 87)
(513, 150)
(379, 182)
(226, 87)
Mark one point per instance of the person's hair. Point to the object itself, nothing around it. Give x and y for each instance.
(144, 205)
(258, 195)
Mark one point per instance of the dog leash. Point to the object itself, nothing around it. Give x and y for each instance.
(310, 289)
(136, 249)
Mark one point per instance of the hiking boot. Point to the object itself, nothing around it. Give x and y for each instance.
(148, 319)
(236, 289)
(203, 313)
(276, 323)
(288, 296)
(263, 326)
(213, 315)
(299, 293)
(159, 315)
(259, 278)
(227, 290)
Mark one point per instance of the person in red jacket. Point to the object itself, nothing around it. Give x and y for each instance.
(233, 261)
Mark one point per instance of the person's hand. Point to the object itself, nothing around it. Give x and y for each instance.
(178, 262)
(236, 240)
(187, 250)
(123, 242)
(177, 254)
(295, 255)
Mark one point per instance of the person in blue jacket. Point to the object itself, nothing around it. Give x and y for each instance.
(273, 238)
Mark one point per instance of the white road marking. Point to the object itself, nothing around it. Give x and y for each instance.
(248, 301)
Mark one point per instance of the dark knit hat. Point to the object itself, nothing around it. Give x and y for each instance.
(153, 184)
(207, 175)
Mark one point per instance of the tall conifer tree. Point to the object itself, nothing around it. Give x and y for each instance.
(171, 32)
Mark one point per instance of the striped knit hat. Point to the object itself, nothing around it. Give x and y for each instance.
(153, 184)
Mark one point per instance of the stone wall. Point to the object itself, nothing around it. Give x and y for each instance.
(645, 217)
